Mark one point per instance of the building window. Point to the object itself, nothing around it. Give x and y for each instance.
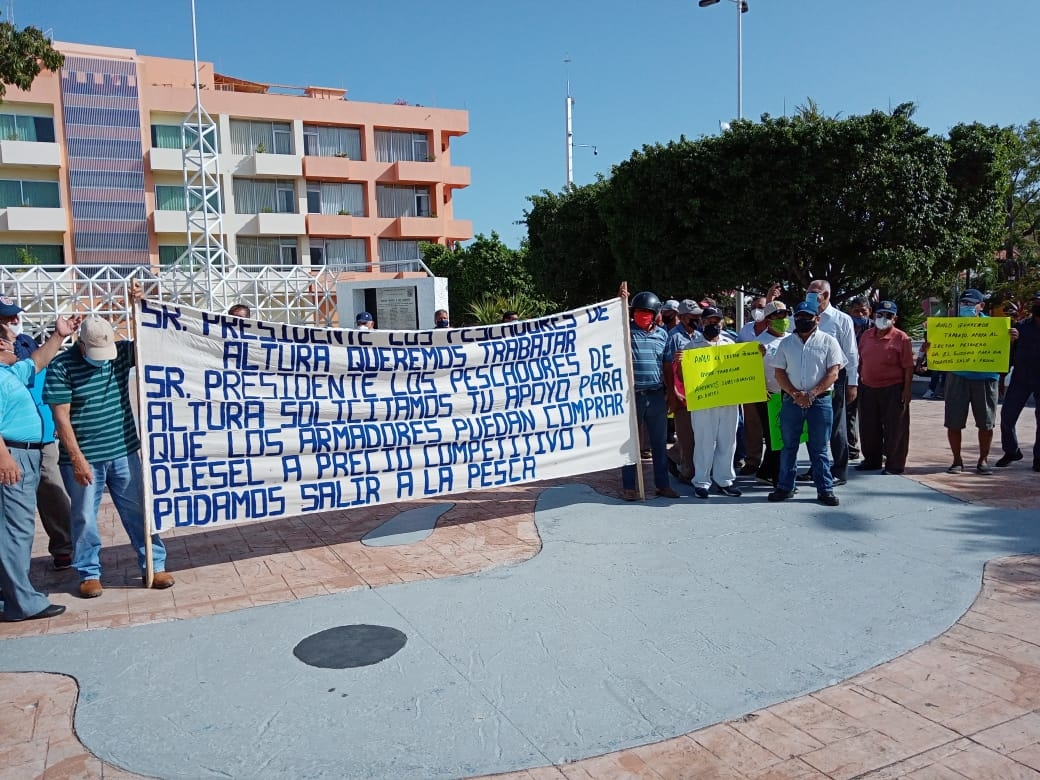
(335, 198)
(402, 201)
(18, 127)
(166, 137)
(339, 254)
(248, 137)
(323, 141)
(394, 145)
(170, 256)
(38, 194)
(32, 254)
(260, 196)
(253, 250)
(171, 198)
(393, 251)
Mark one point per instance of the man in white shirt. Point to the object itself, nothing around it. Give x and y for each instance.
(839, 325)
(807, 367)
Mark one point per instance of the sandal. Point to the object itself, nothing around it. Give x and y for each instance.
(956, 468)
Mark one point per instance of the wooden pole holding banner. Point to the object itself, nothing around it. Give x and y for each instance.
(633, 420)
(149, 563)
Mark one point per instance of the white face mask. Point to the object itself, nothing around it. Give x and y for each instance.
(16, 328)
(758, 314)
(883, 323)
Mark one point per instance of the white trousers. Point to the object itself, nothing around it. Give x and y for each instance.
(715, 431)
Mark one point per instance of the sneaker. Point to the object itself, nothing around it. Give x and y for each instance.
(928, 395)
(62, 561)
(162, 580)
(805, 476)
(1008, 458)
(90, 589)
(839, 481)
(700, 492)
(780, 495)
(828, 499)
(728, 490)
(645, 454)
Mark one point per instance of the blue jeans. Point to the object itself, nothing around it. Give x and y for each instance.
(818, 418)
(651, 409)
(18, 598)
(125, 484)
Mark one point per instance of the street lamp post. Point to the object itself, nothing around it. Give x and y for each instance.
(742, 8)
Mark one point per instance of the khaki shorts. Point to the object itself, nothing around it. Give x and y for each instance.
(979, 394)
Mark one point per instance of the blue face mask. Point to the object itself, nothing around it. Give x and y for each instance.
(967, 310)
(443, 324)
(861, 322)
(95, 363)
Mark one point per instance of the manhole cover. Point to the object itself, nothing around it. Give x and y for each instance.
(345, 647)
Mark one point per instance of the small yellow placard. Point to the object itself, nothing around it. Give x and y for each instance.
(969, 344)
(723, 376)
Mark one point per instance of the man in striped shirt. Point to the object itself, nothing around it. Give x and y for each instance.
(88, 391)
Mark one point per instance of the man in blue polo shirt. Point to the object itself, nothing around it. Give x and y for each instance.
(21, 442)
(648, 345)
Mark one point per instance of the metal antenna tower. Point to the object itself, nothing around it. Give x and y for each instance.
(203, 203)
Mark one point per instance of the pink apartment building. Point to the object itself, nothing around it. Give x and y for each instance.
(91, 169)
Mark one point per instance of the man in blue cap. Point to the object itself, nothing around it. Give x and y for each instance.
(975, 390)
(807, 366)
(364, 320)
(1025, 381)
(52, 501)
(21, 442)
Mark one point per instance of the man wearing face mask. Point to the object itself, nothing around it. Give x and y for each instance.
(859, 310)
(754, 436)
(680, 462)
(648, 344)
(52, 502)
(807, 367)
(886, 374)
(440, 318)
(670, 313)
(87, 389)
(839, 325)
(1025, 381)
(769, 341)
(714, 429)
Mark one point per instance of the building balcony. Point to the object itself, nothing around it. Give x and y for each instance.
(341, 169)
(270, 166)
(415, 227)
(170, 222)
(338, 225)
(434, 172)
(458, 229)
(33, 220)
(30, 153)
(166, 159)
(273, 225)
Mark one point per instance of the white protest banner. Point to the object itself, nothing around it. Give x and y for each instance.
(245, 420)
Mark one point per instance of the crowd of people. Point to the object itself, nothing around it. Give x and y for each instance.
(839, 381)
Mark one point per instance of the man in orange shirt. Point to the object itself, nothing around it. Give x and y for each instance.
(886, 372)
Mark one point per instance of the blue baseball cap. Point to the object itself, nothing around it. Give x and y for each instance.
(804, 307)
(972, 296)
(363, 316)
(8, 308)
(888, 307)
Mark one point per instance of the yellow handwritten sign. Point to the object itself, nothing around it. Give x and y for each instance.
(722, 376)
(969, 344)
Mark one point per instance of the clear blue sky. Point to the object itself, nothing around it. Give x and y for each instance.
(642, 71)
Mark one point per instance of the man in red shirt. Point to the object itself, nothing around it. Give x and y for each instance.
(886, 372)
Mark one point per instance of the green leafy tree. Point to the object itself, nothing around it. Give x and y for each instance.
(484, 267)
(488, 309)
(1022, 204)
(567, 248)
(23, 55)
(867, 202)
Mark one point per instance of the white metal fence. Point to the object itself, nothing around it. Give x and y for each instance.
(290, 294)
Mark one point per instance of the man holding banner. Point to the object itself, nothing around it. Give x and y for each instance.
(715, 428)
(87, 389)
(807, 366)
(968, 389)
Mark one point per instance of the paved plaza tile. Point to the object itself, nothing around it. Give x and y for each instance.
(964, 704)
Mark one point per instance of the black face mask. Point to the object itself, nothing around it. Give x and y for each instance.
(711, 332)
(804, 325)
(1036, 310)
